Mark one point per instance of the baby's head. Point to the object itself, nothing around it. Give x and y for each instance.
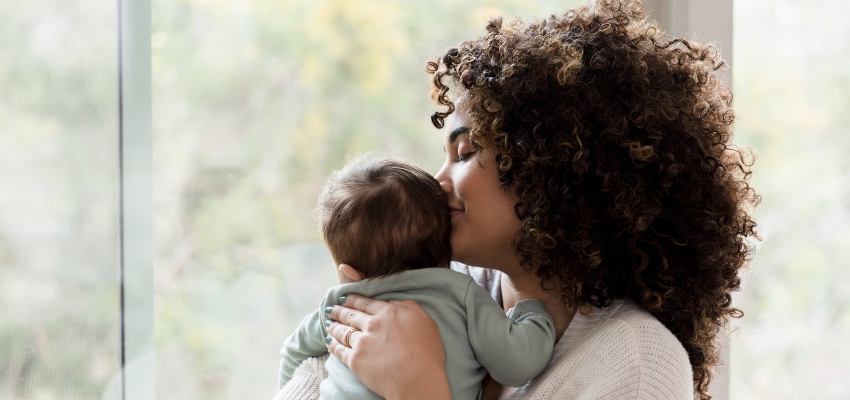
(383, 216)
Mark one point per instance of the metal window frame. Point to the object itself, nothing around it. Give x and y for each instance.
(136, 213)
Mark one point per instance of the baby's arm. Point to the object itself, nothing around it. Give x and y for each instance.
(307, 341)
(513, 348)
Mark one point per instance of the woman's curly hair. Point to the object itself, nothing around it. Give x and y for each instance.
(616, 139)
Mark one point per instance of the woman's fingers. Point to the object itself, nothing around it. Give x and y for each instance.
(365, 304)
(339, 351)
(348, 316)
(345, 335)
(342, 339)
(356, 310)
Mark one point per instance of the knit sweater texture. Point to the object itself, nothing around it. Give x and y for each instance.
(617, 352)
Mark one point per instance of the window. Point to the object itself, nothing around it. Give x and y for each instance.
(159, 162)
(60, 311)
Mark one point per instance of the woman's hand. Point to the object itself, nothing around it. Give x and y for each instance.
(396, 349)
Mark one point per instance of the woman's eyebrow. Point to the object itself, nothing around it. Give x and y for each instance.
(457, 132)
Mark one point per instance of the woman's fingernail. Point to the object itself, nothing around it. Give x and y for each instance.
(328, 310)
(328, 323)
(342, 299)
(327, 340)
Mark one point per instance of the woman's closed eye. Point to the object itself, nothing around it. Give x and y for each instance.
(465, 156)
(466, 148)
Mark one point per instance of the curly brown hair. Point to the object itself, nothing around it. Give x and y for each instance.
(616, 139)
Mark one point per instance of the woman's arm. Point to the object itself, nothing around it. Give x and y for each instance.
(396, 351)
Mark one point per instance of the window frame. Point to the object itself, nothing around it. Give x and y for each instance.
(136, 212)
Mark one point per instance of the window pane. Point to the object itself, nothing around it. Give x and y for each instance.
(59, 249)
(255, 103)
(792, 79)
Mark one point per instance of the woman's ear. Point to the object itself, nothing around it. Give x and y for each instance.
(352, 273)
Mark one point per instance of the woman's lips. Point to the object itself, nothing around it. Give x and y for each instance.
(456, 211)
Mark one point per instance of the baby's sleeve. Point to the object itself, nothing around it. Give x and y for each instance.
(513, 348)
(307, 341)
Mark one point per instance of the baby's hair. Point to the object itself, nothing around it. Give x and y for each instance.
(384, 216)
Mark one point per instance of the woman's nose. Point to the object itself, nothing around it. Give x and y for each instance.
(446, 185)
(443, 178)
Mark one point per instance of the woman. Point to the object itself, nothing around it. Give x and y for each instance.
(588, 165)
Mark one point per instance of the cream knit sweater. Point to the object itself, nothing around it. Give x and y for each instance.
(617, 352)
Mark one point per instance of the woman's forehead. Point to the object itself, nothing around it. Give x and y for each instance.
(459, 117)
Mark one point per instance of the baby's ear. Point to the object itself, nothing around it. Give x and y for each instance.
(355, 274)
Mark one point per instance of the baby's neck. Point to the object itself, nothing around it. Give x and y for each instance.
(524, 285)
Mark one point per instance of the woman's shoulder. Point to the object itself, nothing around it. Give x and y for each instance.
(620, 351)
(626, 327)
(625, 317)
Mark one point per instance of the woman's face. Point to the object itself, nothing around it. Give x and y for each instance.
(484, 224)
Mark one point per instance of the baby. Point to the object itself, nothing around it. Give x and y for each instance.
(391, 220)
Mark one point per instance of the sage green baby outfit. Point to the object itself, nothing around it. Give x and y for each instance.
(477, 335)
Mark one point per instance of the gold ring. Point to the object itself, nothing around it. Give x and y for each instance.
(347, 337)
